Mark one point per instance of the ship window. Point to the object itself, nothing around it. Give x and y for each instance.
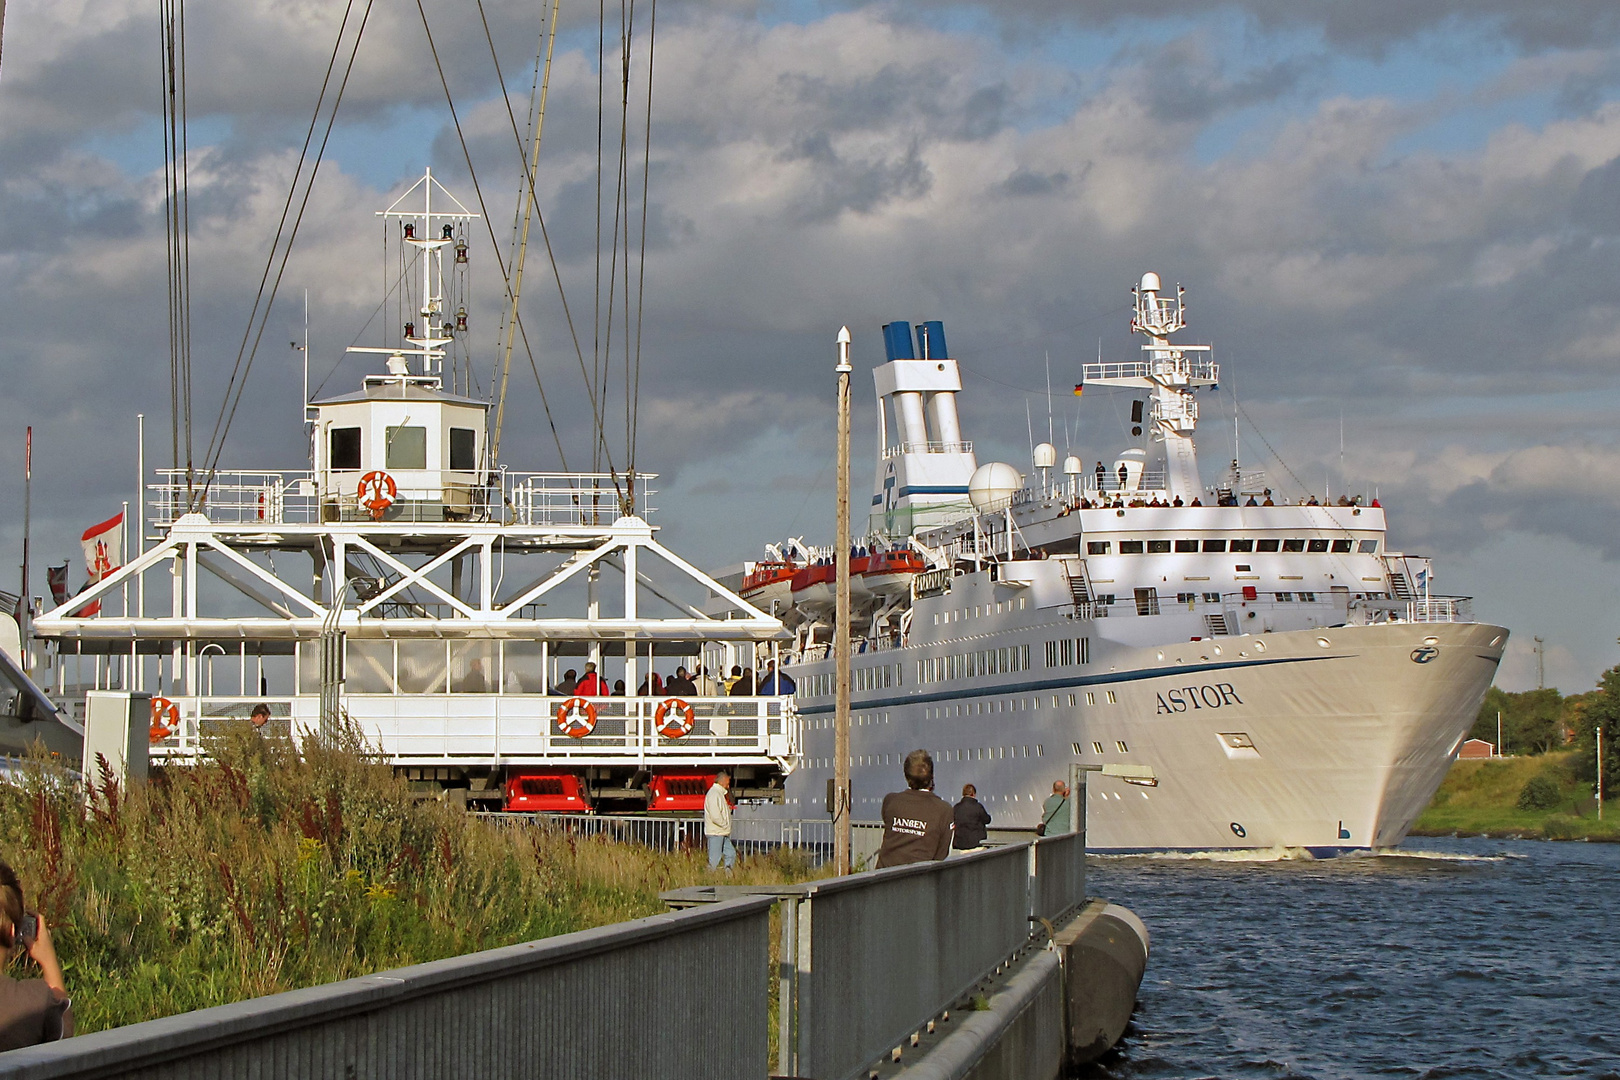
(1158, 547)
(1368, 547)
(345, 448)
(1268, 545)
(1130, 547)
(1097, 547)
(1307, 598)
(407, 448)
(1186, 597)
(1113, 699)
(1097, 746)
(1284, 597)
(1317, 547)
(1243, 545)
(1186, 545)
(1214, 545)
(1122, 747)
(1293, 545)
(463, 449)
(1341, 547)
(1091, 698)
(1212, 598)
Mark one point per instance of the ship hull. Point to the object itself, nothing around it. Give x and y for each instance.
(1339, 746)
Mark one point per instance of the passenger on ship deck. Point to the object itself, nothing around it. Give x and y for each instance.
(1055, 811)
(743, 685)
(591, 684)
(917, 824)
(775, 683)
(565, 686)
(653, 684)
(618, 687)
(970, 818)
(1101, 473)
(680, 683)
(736, 673)
(1197, 501)
(1251, 502)
(706, 686)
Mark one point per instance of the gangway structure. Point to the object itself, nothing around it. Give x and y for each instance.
(435, 600)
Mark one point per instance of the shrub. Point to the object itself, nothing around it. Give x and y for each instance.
(1540, 792)
(1561, 827)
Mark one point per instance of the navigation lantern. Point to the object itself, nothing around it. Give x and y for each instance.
(461, 250)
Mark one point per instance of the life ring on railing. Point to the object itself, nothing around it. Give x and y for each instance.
(165, 719)
(673, 718)
(377, 493)
(576, 718)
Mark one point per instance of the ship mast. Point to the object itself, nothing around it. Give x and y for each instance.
(430, 231)
(1171, 374)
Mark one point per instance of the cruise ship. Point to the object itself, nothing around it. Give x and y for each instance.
(1248, 672)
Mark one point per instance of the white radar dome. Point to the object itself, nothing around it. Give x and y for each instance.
(1150, 282)
(1045, 455)
(1072, 466)
(993, 482)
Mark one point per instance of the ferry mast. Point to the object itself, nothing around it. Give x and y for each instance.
(1170, 373)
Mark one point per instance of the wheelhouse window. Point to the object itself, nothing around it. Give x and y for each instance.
(1215, 545)
(463, 449)
(407, 448)
(343, 448)
(1098, 547)
(1369, 547)
(1341, 547)
(1158, 547)
(1130, 547)
(1268, 545)
(1241, 545)
(1186, 545)
(1293, 545)
(1317, 546)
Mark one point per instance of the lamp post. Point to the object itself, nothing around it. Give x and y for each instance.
(841, 793)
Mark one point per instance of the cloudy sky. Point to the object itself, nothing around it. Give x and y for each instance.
(1395, 220)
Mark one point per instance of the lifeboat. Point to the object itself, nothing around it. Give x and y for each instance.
(768, 583)
(889, 573)
(812, 587)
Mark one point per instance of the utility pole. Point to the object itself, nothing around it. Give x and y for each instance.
(841, 793)
(1541, 664)
(1498, 732)
(25, 606)
(1599, 728)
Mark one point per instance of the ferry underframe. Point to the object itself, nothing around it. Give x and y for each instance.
(405, 585)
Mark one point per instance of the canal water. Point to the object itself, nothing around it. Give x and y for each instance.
(1448, 958)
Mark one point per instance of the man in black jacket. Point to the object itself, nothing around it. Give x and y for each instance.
(917, 824)
(971, 818)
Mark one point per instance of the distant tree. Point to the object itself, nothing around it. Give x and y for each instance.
(1532, 721)
(1600, 709)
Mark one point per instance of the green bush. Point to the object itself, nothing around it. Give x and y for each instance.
(1561, 827)
(1540, 792)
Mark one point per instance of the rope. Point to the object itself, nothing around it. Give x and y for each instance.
(641, 271)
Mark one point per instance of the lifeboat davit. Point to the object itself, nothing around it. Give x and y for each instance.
(769, 583)
(889, 573)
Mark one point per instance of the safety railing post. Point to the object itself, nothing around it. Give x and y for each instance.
(787, 999)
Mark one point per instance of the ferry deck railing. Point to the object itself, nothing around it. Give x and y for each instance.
(449, 729)
(302, 497)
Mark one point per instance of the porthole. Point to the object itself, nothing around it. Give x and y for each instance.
(1259, 646)
(1324, 642)
(1431, 641)
(1497, 640)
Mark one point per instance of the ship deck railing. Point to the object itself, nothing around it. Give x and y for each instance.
(302, 497)
(895, 451)
(442, 729)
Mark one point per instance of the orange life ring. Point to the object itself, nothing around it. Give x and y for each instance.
(377, 493)
(576, 718)
(165, 719)
(673, 718)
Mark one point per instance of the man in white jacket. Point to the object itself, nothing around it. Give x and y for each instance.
(717, 823)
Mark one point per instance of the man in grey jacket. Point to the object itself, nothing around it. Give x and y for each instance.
(717, 823)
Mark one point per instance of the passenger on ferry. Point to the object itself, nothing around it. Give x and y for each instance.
(1101, 472)
(1251, 502)
(775, 683)
(680, 683)
(591, 684)
(1197, 501)
(1176, 501)
(706, 685)
(970, 819)
(565, 686)
(736, 673)
(743, 685)
(1123, 475)
(618, 687)
(917, 824)
(653, 684)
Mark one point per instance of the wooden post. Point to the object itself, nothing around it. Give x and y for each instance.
(841, 804)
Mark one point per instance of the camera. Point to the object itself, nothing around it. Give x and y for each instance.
(28, 930)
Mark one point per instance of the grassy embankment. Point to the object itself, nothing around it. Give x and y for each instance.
(262, 871)
(1482, 797)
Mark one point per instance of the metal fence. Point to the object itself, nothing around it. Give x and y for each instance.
(877, 955)
(674, 995)
(812, 837)
(1057, 879)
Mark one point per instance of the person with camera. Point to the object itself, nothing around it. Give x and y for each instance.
(31, 1010)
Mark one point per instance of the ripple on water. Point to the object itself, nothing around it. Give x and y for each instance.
(1445, 958)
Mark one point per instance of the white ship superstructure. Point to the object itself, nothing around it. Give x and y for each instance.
(1247, 674)
(433, 597)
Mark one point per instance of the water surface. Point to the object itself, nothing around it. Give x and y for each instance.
(1448, 958)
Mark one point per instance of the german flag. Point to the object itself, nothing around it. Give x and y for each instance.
(1079, 388)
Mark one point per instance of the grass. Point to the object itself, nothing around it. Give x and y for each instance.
(267, 869)
(1481, 797)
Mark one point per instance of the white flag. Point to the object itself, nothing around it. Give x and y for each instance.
(104, 548)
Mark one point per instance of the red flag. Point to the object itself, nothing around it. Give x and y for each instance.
(103, 553)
